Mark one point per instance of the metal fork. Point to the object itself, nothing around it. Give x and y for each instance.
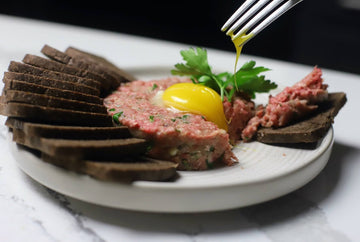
(244, 16)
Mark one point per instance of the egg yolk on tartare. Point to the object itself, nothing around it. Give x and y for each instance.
(196, 99)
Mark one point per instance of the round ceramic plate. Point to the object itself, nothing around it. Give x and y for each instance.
(264, 172)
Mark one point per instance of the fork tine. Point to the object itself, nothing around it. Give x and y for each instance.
(247, 15)
(259, 16)
(238, 12)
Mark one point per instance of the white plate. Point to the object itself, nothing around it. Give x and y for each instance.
(265, 172)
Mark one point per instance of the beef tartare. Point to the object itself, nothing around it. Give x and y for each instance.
(289, 105)
(185, 138)
(189, 138)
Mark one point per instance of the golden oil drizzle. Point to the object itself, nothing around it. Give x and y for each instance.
(238, 43)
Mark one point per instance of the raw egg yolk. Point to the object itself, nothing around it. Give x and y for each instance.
(197, 99)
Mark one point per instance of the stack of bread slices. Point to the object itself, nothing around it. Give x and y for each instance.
(54, 105)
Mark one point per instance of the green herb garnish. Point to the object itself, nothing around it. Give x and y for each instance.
(246, 79)
(151, 118)
(154, 87)
(182, 118)
(116, 117)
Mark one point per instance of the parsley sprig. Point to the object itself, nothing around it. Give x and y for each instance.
(246, 79)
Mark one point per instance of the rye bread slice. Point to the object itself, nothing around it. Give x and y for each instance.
(308, 130)
(65, 85)
(100, 65)
(49, 101)
(79, 149)
(50, 91)
(68, 132)
(109, 82)
(128, 170)
(59, 67)
(33, 70)
(120, 168)
(54, 115)
(56, 54)
(73, 52)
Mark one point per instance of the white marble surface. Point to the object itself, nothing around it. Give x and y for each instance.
(326, 209)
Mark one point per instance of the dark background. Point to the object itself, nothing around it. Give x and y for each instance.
(315, 32)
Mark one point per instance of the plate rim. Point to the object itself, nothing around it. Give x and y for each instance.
(138, 186)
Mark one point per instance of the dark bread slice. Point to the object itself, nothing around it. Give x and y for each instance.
(119, 168)
(107, 65)
(76, 145)
(55, 92)
(54, 115)
(75, 150)
(308, 130)
(33, 70)
(100, 65)
(65, 85)
(56, 54)
(59, 56)
(128, 170)
(59, 67)
(49, 101)
(68, 132)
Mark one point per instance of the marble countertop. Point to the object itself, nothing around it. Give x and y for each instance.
(326, 209)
